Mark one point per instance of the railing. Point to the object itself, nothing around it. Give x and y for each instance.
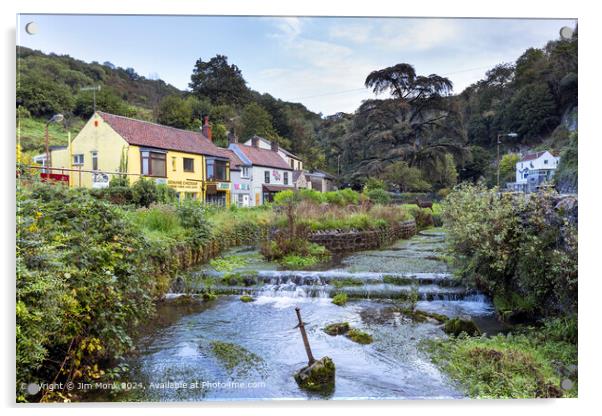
(76, 176)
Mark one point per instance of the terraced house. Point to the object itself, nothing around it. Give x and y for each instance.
(109, 145)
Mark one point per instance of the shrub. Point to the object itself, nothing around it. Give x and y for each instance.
(83, 283)
(193, 217)
(521, 252)
(144, 192)
(379, 196)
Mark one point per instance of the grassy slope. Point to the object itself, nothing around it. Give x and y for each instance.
(31, 131)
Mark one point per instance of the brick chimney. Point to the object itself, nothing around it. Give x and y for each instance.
(255, 141)
(274, 146)
(232, 138)
(206, 129)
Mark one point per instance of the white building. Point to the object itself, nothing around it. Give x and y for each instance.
(262, 172)
(534, 170)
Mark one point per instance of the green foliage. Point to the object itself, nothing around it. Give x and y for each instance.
(220, 81)
(508, 167)
(175, 111)
(523, 365)
(229, 263)
(406, 178)
(256, 121)
(340, 299)
(293, 261)
(566, 176)
(246, 298)
(78, 259)
(373, 183)
(522, 252)
(144, 192)
(193, 218)
(160, 218)
(378, 196)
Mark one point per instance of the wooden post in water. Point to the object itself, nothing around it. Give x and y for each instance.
(301, 326)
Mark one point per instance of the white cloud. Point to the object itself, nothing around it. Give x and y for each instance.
(355, 33)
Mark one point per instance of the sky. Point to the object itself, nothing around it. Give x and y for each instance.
(321, 62)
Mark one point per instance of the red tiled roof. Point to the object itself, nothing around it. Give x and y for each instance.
(531, 156)
(144, 133)
(264, 157)
(235, 162)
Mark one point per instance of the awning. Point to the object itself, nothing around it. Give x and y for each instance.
(276, 188)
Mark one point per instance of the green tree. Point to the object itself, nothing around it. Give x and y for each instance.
(221, 82)
(175, 111)
(508, 167)
(256, 120)
(406, 178)
(106, 100)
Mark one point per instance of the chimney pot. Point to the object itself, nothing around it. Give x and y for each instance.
(255, 141)
(274, 146)
(232, 138)
(206, 128)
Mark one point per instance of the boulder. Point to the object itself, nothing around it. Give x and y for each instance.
(338, 328)
(317, 377)
(456, 326)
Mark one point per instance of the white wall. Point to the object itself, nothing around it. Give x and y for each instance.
(276, 178)
(545, 161)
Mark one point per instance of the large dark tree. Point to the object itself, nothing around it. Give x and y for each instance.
(418, 125)
(221, 82)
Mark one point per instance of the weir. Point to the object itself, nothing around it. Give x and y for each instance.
(379, 284)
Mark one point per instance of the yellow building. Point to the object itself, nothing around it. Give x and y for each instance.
(110, 145)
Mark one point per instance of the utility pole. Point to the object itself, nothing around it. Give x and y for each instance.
(93, 89)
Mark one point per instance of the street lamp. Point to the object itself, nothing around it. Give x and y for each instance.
(499, 141)
(57, 118)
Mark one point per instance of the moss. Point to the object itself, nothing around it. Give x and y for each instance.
(208, 296)
(346, 282)
(338, 328)
(422, 316)
(524, 365)
(318, 377)
(359, 336)
(340, 299)
(456, 326)
(397, 280)
(234, 356)
(246, 298)
(183, 300)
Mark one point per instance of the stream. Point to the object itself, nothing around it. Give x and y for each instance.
(177, 347)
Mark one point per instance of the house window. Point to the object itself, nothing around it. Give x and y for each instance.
(78, 159)
(153, 163)
(174, 164)
(94, 160)
(245, 172)
(217, 170)
(267, 176)
(545, 162)
(188, 164)
(286, 178)
(240, 200)
(293, 164)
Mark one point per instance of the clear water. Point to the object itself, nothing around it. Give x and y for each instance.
(177, 348)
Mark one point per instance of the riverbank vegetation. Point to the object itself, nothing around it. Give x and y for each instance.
(521, 251)
(530, 362)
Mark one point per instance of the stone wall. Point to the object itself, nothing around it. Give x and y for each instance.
(341, 241)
